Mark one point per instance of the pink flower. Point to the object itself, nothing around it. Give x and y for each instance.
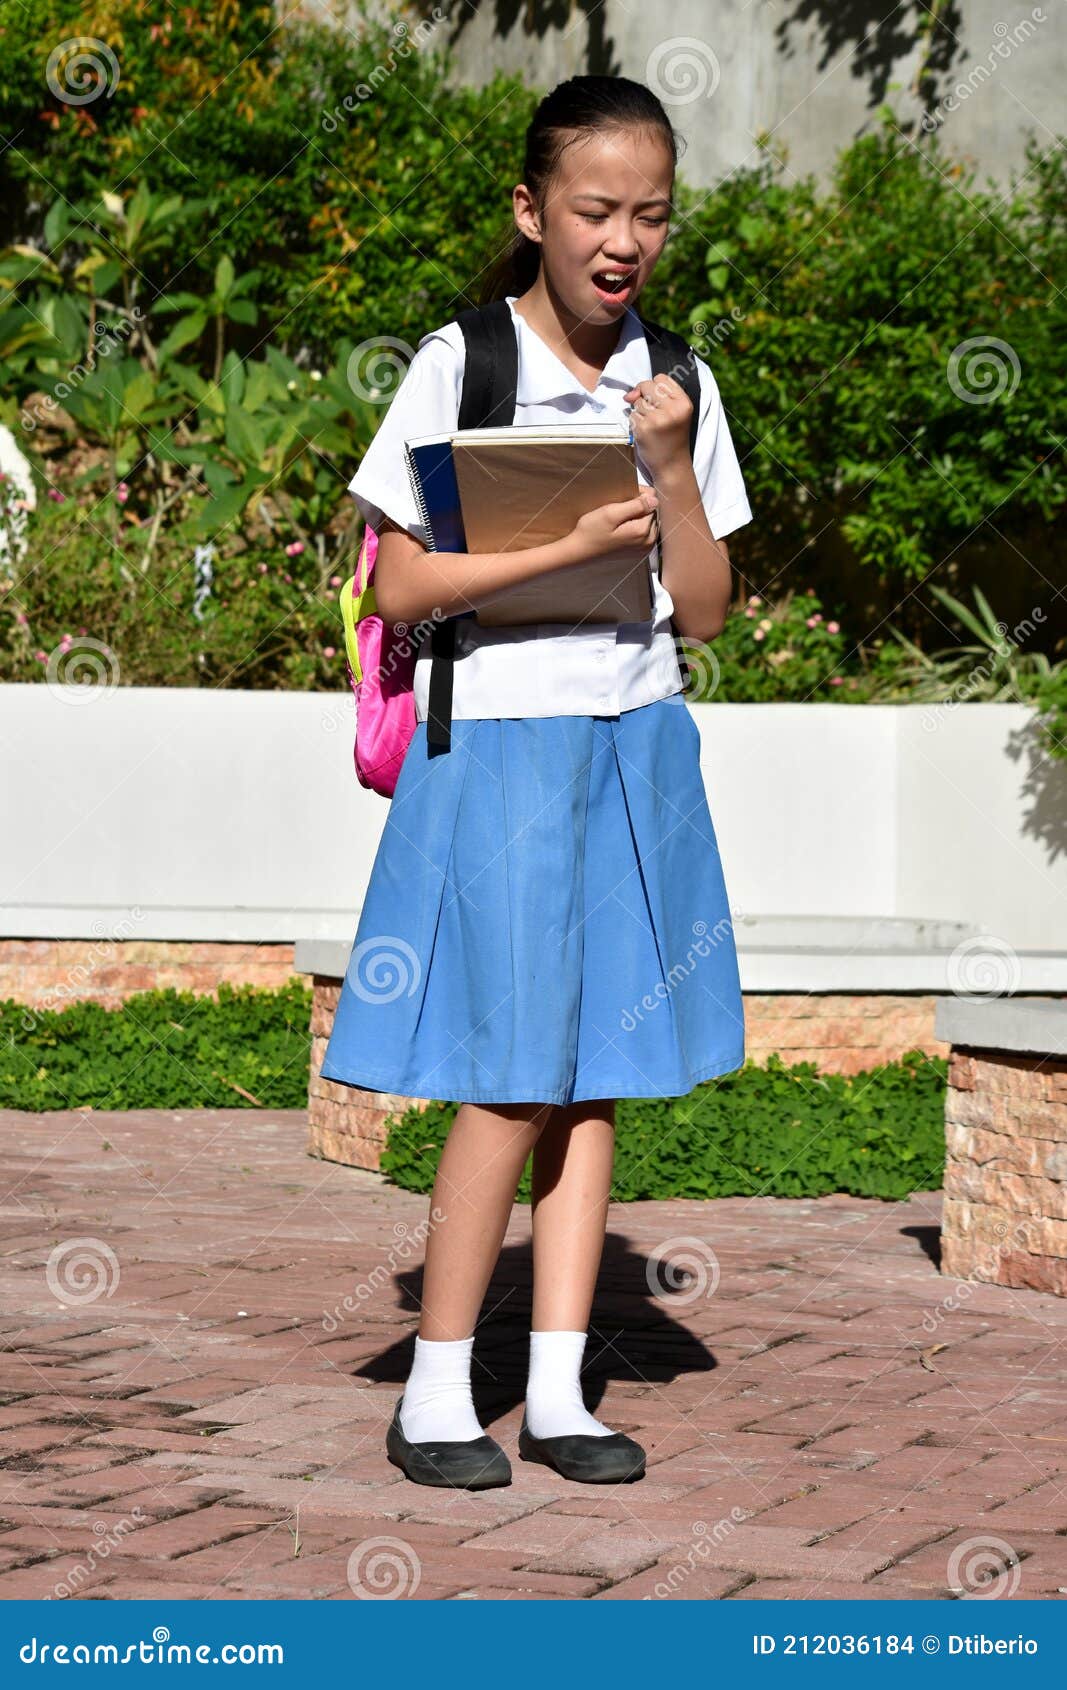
(329, 651)
(810, 623)
(262, 569)
(754, 599)
(22, 618)
(818, 616)
(833, 627)
(750, 611)
(294, 548)
(288, 578)
(83, 630)
(335, 580)
(837, 680)
(40, 656)
(122, 492)
(57, 496)
(758, 634)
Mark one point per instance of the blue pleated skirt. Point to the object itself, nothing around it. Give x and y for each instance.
(546, 919)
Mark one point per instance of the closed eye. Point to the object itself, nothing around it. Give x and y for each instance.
(599, 217)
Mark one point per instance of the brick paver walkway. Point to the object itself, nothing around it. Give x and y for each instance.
(205, 1333)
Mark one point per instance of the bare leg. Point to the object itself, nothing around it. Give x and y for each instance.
(571, 1183)
(571, 1186)
(480, 1167)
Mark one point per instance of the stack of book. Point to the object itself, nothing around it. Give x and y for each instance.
(508, 489)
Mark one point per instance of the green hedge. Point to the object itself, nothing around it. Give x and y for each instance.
(831, 314)
(246, 1049)
(775, 1131)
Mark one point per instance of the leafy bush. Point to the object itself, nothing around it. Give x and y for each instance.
(786, 650)
(222, 313)
(105, 611)
(777, 1131)
(362, 220)
(244, 1049)
(992, 667)
(838, 321)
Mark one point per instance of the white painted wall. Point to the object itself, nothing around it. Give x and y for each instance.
(237, 815)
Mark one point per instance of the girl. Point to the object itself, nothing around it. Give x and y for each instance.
(546, 925)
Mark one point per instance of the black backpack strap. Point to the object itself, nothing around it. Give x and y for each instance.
(490, 379)
(671, 355)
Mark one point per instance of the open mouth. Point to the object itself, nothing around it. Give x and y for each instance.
(614, 284)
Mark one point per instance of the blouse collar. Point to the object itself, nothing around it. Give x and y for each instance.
(544, 376)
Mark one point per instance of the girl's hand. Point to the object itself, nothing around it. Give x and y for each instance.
(660, 414)
(625, 530)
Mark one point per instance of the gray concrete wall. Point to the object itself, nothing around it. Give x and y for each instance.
(810, 75)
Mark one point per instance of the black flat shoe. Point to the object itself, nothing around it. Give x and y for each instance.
(615, 1459)
(468, 1464)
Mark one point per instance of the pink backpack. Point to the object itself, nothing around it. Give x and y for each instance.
(381, 673)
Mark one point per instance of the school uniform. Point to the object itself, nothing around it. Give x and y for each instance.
(546, 919)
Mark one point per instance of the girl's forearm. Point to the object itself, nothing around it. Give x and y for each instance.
(694, 566)
(449, 583)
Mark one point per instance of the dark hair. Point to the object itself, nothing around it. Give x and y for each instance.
(581, 105)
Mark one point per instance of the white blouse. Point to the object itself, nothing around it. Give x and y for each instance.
(598, 669)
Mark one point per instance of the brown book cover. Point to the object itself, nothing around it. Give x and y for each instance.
(527, 487)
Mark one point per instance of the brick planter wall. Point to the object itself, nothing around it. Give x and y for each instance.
(52, 973)
(344, 1124)
(1005, 1207)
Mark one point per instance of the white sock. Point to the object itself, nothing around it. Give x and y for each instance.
(437, 1402)
(554, 1406)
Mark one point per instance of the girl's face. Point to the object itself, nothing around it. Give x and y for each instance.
(605, 221)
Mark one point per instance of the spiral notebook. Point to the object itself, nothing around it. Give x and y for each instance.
(507, 489)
